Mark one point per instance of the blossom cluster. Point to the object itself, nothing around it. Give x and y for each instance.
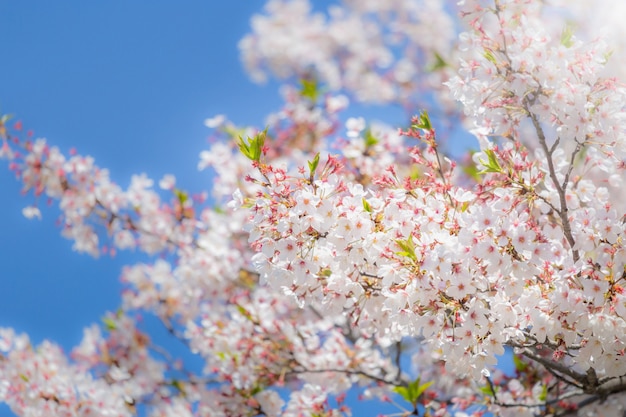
(201, 289)
(378, 51)
(339, 254)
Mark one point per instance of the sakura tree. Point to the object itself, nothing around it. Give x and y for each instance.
(336, 255)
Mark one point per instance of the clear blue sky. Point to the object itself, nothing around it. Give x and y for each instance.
(129, 83)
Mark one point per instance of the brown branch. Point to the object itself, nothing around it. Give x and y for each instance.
(549, 364)
(561, 188)
(601, 395)
(346, 372)
(543, 404)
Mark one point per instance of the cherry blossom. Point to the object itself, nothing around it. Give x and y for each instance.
(335, 254)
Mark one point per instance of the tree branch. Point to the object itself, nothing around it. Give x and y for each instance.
(560, 188)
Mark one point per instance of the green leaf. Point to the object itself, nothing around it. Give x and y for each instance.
(5, 118)
(439, 63)
(366, 206)
(567, 35)
(408, 248)
(255, 390)
(309, 89)
(244, 148)
(109, 323)
(233, 132)
(180, 387)
(471, 170)
(486, 390)
(24, 378)
(404, 393)
(313, 164)
(519, 365)
(422, 388)
(245, 313)
(423, 122)
(326, 272)
(181, 195)
(412, 392)
(253, 147)
(490, 57)
(415, 172)
(492, 164)
(544, 393)
(370, 139)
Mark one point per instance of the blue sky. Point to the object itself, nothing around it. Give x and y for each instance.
(130, 85)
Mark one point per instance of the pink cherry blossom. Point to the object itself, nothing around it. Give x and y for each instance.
(335, 253)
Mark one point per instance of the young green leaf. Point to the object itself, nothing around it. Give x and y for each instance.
(253, 147)
(370, 139)
(181, 195)
(244, 148)
(179, 387)
(519, 365)
(544, 393)
(412, 392)
(109, 323)
(420, 389)
(415, 172)
(366, 206)
(492, 164)
(245, 313)
(490, 57)
(423, 122)
(404, 393)
(3, 120)
(439, 63)
(486, 390)
(233, 132)
(471, 170)
(566, 36)
(408, 248)
(255, 390)
(313, 164)
(326, 272)
(309, 89)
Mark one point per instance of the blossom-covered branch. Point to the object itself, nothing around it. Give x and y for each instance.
(330, 258)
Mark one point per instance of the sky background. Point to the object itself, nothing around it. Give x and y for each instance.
(129, 84)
